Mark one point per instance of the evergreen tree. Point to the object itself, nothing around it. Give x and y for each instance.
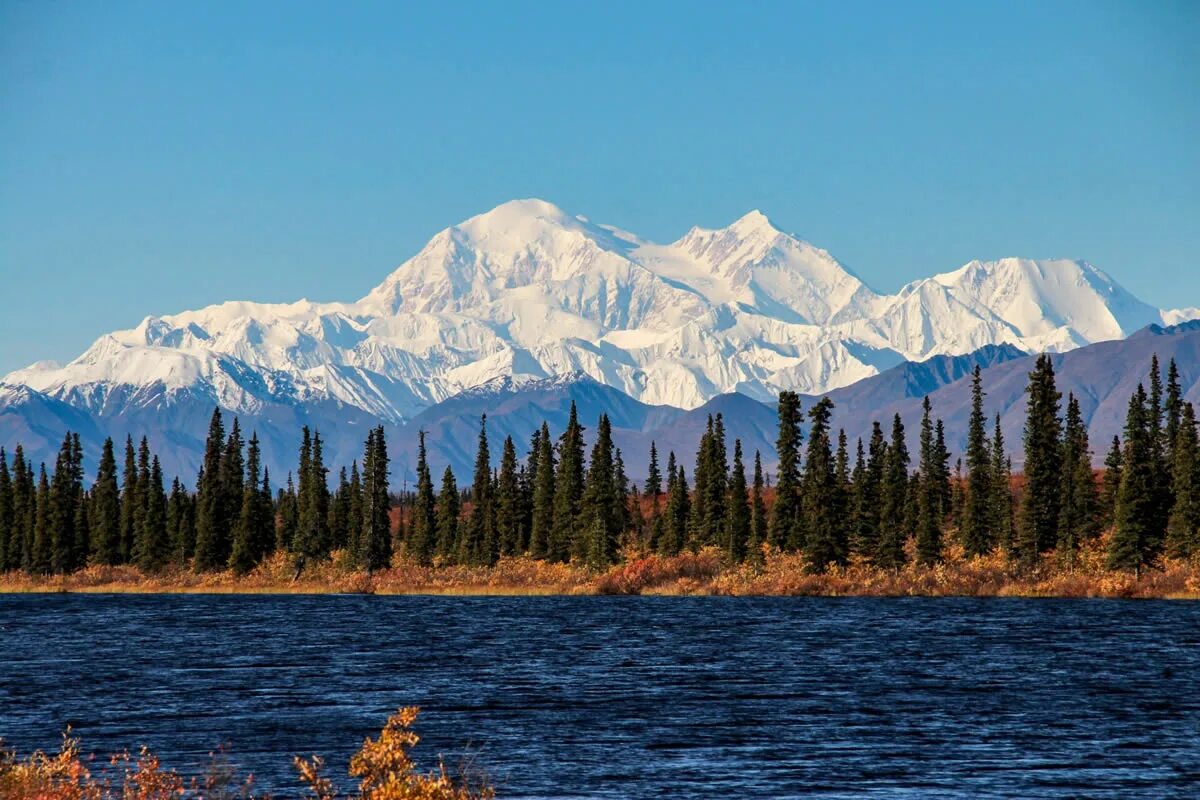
(1133, 535)
(599, 499)
(231, 481)
(288, 510)
(1160, 506)
(543, 497)
(510, 516)
(929, 510)
(312, 540)
(1112, 483)
(422, 538)
(129, 504)
(20, 541)
(354, 515)
(42, 552)
(654, 485)
(737, 514)
(478, 544)
(64, 496)
(1002, 498)
(978, 534)
(254, 534)
(106, 510)
(677, 512)
(211, 535)
(819, 492)
(447, 516)
(1183, 525)
(894, 525)
(1077, 508)
(568, 489)
(1173, 413)
(868, 495)
(786, 527)
(152, 550)
(7, 528)
(181, 523)
(758, 514)
(622, 517)
(339, 512)
(1038, 528)
(376, 541)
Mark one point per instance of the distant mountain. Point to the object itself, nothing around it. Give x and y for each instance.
(527, 292)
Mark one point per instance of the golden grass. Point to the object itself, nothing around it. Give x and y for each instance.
(702, 573)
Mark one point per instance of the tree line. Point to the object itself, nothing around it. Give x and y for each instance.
(829, 501)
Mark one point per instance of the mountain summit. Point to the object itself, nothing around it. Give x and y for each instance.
(529, 291)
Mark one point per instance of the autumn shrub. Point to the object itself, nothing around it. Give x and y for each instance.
(383, 767)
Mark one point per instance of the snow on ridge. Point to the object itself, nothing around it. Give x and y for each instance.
(527, 292)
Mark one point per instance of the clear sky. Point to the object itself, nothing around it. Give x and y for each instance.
(162, 156)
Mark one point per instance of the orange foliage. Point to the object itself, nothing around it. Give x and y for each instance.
(382, 764)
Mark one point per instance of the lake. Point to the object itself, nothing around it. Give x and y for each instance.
(631, 697)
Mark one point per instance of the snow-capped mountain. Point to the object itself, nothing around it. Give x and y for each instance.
(528, 291)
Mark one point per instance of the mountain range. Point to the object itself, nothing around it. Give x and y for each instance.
(528, 301)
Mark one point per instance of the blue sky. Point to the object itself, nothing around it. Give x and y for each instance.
(156, 157)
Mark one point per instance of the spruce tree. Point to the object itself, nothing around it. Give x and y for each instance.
(509, 514)
(678, 512)
(1112, 483)
(1160, 507)
(152, 550)
(819, 493)
(543, 497)
(288, 511)
(1183, 524)
(61, 522)
(786, 528)
(568, 490)
(447, 516)
(181, 523)
(894, 525)
(478, 535)
(376, 542)
(1172, 412)
(1131, 544)
(653, 487)
(1002, 498)
(129, 502)
(422, 538)
(758, 514)
(737, 513)
(622, 517)
(20, 541)
(106, 510)
(978, 535)
(599, 499)
(211, 536)
(1038, 528)
(929, 498)
(254, 534)
(312, 540)
(7, 528)
(869, 495)
(354, 515)
(41, 560)
(1078, 502)
(231, 480)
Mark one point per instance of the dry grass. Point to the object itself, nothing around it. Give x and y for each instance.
(382, 766)
(702, 573)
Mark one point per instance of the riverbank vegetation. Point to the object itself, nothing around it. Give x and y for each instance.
(832, 519)
(382, 770)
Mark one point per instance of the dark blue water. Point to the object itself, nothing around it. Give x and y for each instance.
(633, 697)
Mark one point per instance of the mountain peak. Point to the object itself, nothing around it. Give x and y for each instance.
(754, 221)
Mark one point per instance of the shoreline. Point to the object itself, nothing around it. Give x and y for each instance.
(686, 575)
